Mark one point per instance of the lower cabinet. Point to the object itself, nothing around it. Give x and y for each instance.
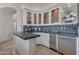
(25, 47)
(63, 44)
(43, 39)
(38, 40)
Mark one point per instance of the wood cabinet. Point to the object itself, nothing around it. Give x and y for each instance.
(35, 18)
(46, 18)
(54, 15)
(39, 18)
(29, 18)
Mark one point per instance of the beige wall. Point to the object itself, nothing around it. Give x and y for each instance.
(6, 25)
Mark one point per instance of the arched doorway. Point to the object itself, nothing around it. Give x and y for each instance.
(7, 21)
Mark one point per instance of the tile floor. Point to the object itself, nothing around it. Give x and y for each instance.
(8, 48)
(41, 50)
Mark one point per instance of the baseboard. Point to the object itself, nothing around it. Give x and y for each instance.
(56, 51)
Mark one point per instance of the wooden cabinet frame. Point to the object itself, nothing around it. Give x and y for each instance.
(55, 15)
(46, 18)
(35, 18)
(39, 18)
(29, 17)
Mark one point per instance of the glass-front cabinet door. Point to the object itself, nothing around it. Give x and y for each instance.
(46, 18)
(29, 18)
(35, 18)
(55, 15)
(39, 18)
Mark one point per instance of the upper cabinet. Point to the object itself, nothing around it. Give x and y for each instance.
(46, 18)
(35, 18)
(39, 18)
(55, 15)
(29, 18)
(43, 18)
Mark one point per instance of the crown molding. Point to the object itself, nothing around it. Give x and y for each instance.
(38, 9)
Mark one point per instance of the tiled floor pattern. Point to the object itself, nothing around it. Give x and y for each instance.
(8, 48)
(41, 50)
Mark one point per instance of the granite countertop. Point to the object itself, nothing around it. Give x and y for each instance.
(26, 36)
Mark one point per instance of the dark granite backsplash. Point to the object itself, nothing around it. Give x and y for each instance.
(70, 29)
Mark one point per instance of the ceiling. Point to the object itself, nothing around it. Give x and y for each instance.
(38, 6)
(32, 6)
(8, 9)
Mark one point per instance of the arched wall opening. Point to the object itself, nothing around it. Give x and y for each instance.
(7, 23)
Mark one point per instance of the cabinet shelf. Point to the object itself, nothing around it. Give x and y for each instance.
(46, 18)
(54, 15)
(29, 18)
